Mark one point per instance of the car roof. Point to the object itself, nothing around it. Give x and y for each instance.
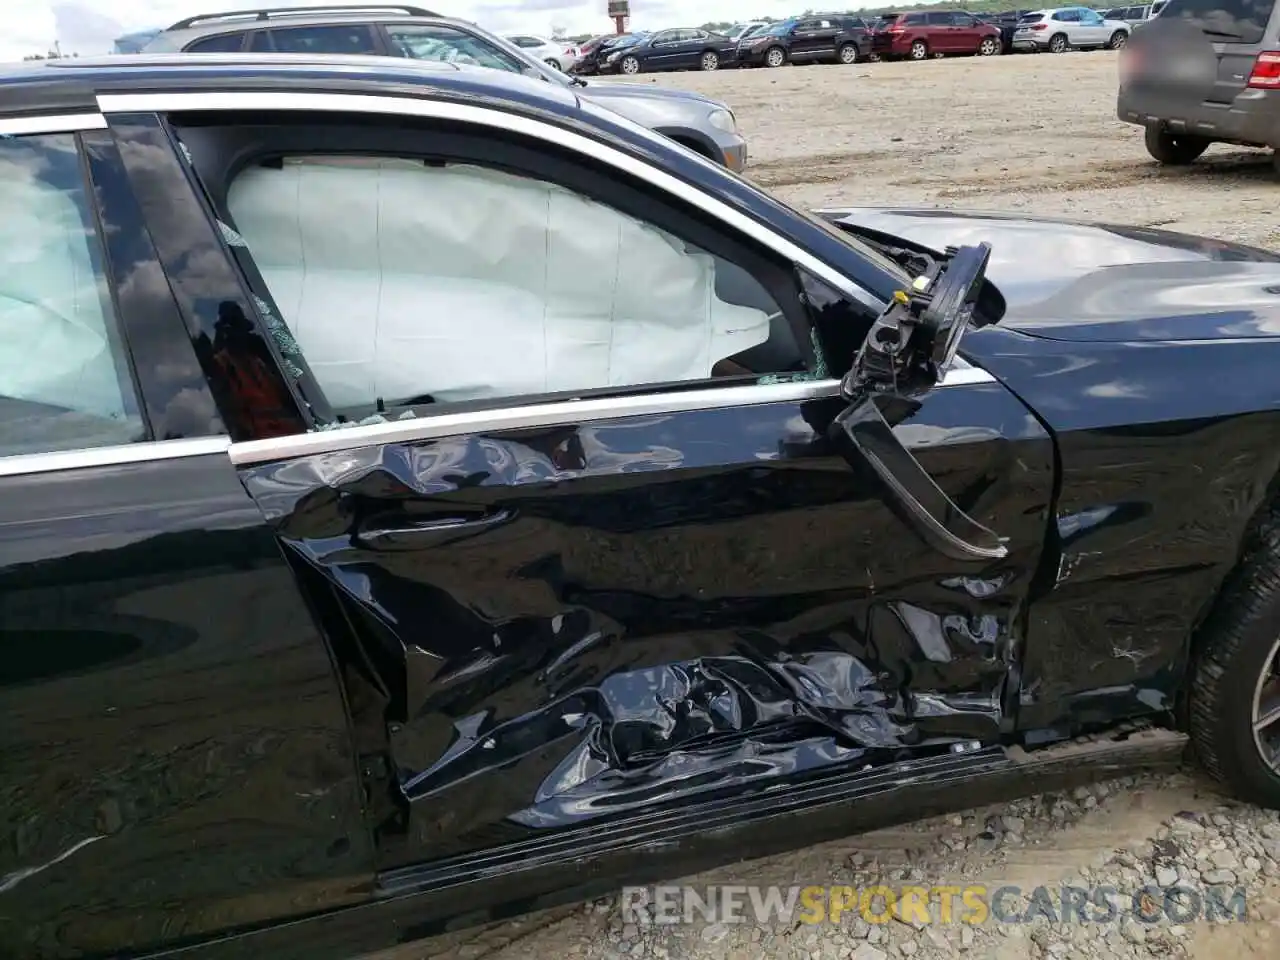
(72, 84)
(180, 34)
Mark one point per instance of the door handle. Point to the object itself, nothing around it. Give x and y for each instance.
(434, 531)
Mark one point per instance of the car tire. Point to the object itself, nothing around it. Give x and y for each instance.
(1118, 40)
(919, 50)
(630, 65)
(775, 57)
(1058, 43)
(848, 53)
(989, 47)
(710, 60)
(1174, 150)
(554, 64)
(1234, 675)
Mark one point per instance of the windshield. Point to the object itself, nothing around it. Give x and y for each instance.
(1243, 21)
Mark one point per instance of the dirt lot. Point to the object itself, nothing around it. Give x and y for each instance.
(1021, 133)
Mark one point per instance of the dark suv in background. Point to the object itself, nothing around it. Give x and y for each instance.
(918, 36)
(1202, 72)
(838, 38)
(681, 48)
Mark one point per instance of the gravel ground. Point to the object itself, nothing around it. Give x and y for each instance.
(1022, 133)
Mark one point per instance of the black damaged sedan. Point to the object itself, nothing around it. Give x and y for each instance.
(426, 496)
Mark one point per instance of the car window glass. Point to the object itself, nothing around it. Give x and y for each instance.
(260, 42)
(1240, 21)
(223, 43)
(337, 39)
(64, 380)
(914, 20)
(1030, 18)
(402, 280)
(449, 45)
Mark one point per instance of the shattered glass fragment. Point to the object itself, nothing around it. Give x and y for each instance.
(230, 237)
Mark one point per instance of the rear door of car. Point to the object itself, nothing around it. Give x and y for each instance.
(561, 612)
(176, 753)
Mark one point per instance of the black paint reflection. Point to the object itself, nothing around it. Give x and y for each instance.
(204, 282)
(174, 756)
(595, 621)
(174, 391)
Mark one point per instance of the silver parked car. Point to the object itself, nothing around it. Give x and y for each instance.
(1069, 28)
(703, 125)
(548, 51)
(1135, 16)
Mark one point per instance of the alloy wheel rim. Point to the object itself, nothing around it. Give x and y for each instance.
(1266, 711)
(1057, 45)
(775, 57)
(629, 65)
(710, 61)
(1119, 41)
(918, 51)
(988, 46)
(848, 54)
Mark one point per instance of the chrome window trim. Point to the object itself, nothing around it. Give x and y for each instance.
(446, 424)
(51, 123)
(25, 464)
(500, 120)
(554, 414)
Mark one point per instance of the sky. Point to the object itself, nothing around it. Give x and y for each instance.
(88, 27)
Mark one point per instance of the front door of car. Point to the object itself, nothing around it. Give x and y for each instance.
(968, 33)
(664, 50)
(1093, 29)
(940, 32)
(806, 39)
(595, 551)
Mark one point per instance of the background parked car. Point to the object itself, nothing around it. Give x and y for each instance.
(920, 35)
(548, 51)
(1237, 99)
(699, 123)
(1006, 21)
(594, 53)
(1066, 28)
(1135, 15)
(681, 48)
(834, 37)
(740, 30)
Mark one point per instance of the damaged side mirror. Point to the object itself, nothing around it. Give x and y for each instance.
(909, 347)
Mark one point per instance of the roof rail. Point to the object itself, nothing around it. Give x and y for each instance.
(268, 13)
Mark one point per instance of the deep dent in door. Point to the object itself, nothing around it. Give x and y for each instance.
(550, 627)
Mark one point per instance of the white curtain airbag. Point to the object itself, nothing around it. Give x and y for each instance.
(399, 279)
(52, 317)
